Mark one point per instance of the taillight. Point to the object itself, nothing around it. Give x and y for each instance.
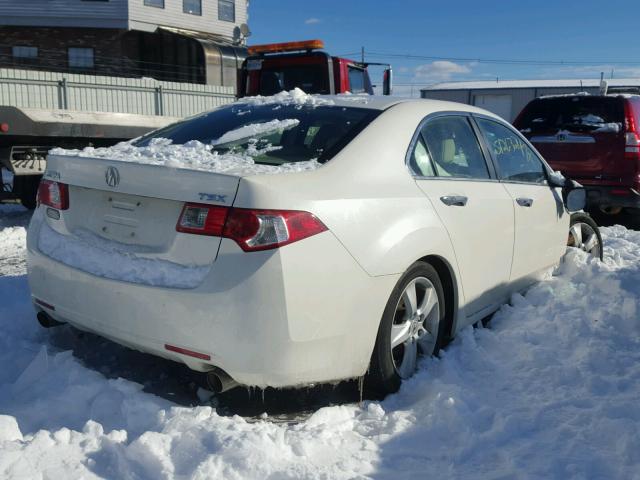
(265, 229)
(251, 229)
(202, 219)
(631, 136)
(53, 194)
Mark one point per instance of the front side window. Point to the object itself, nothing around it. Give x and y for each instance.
(454, 148)
(356, 80)
(270, 134)
(516, 160)
(80, 57)
(154, 3)
(193, 7)
(227, 10)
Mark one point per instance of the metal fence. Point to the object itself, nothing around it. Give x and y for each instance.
(145, 96)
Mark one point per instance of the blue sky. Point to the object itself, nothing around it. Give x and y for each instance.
(596, 36)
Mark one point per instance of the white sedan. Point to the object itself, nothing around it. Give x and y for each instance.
(299, 240)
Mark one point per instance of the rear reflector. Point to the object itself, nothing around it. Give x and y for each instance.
(251, 229)
(190, 353)
(53, 194)
(44, 304)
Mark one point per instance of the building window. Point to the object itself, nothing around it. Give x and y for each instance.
(193, 7)
(80, 57)
(24, 52)
(227, 10)
(154, 3)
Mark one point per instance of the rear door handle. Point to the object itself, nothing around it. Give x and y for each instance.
(454, 200)
(524, 202)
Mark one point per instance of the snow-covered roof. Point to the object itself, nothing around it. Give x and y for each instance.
(540, 83)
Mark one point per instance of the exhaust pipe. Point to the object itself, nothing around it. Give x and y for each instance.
(218, 381)
(46, 321)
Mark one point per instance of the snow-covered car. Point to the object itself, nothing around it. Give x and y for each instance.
(299, 239)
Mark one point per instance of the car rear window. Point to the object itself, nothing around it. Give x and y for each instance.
(573, 113)
(271, 134)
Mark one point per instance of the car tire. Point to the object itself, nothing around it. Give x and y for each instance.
(584, 234)
(403, 331)
(26, 189)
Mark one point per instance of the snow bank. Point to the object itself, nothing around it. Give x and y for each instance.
(87, 252)
(550, 390)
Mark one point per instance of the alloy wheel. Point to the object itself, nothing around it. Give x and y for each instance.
(584, 237)
(415, 325)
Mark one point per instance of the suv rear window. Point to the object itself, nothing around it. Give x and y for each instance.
(573, 113)
(271, 134)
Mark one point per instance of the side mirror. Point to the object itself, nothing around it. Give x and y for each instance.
(574, 196)
(387, 81)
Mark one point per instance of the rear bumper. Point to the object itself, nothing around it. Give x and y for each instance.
(305, 313)
(613, 196)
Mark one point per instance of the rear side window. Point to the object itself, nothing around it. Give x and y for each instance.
(453, 148)
(270, 134)
(575, 114)
(517, 162)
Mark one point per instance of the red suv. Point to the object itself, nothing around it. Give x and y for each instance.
(594, 139)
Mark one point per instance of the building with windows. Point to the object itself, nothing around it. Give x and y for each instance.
(197, 41)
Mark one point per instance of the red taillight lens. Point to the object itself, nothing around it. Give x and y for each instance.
(202, 219)
(252, 229)
(53, 194)
(631, 136)
(265, 229)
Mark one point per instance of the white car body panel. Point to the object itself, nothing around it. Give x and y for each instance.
(309, 311)
(482, 234)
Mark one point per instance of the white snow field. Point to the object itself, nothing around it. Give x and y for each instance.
(551, 389)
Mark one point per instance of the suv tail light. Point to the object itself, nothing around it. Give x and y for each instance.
(632, 135)
(251, 229)
(53, 194)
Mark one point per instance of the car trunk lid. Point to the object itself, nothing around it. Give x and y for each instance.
(136, 206)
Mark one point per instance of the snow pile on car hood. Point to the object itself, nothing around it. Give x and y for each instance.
(550, 390)
(195, 155)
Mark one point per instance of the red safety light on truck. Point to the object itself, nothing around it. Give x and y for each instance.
(276, 67)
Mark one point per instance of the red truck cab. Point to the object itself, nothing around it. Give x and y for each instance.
(594, 139)
(272, 68)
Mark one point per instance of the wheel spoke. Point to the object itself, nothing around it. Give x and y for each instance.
(410, 299)
(427, 343)
(400, 333)
(409, 360)
(591, 242)
(576, 233)
(429, 301)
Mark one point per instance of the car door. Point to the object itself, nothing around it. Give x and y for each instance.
(541, 223)
(451, 169)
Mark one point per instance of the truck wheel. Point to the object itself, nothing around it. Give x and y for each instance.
(585, 235)
(26, 189)
(412, 324)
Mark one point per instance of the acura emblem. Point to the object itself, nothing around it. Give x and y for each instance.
(112, 177)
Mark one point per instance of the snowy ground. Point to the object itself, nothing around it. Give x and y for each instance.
(550, 390)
